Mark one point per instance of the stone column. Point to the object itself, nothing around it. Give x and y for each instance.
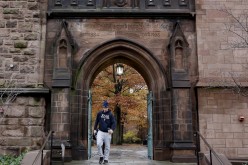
(60, 121)
(183, 147)
(60, 115)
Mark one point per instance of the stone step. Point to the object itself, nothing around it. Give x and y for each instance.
(127, 162)
(126, 154)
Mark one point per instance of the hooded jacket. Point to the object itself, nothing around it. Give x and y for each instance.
(105, 120)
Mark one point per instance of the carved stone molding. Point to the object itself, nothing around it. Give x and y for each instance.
(120, 3)
(90, 3)
(167, 2)
(74, 2)
(120, 8)
(150, 3)
(63, 49)
(182, 2)
(179, 64)
(58, 3)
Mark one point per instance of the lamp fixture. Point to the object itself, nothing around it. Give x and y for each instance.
(241, 118)
(119, 69)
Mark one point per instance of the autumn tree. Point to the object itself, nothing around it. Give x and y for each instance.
(131, 99)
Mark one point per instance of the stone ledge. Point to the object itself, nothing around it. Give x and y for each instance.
(26, 90)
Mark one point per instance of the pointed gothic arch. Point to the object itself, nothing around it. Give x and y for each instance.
(124, 51)
(155, 75)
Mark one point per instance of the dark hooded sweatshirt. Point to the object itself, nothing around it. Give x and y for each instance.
(105, 120)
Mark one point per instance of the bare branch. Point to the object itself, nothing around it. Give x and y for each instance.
(8, 92)
(238, 26)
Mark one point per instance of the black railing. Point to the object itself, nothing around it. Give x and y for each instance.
(40, 154)
(198, 136)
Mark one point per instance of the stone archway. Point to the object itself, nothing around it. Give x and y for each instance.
(152, 71)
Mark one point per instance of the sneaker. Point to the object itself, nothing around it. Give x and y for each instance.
(100, 160)
(105, 162)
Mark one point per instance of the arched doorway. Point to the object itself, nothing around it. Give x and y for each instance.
(127, 95)
(153, 73)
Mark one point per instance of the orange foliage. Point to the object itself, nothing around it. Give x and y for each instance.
(133, 104)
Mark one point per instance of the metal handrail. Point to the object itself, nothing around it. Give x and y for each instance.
(43, 146)
(211, 150)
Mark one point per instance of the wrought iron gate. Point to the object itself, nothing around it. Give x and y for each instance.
(149, 117)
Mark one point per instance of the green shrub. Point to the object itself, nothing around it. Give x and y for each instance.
(131, 137)
(11, 160)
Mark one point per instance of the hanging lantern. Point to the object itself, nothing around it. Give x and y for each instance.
(119, 69)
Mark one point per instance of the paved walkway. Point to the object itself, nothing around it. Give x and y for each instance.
(125, 155)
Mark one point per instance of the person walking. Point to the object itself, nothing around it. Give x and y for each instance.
(107, 123)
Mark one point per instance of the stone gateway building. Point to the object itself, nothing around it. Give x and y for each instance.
(54, 49)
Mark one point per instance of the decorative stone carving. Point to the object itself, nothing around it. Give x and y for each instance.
(65, 47)
(114, 7)
(178, 45)
(57, 3)
(74, 2)
(167, 2)
(136, 3)
(179, 58)
(120, 3)
(90, 3)
(183, 2)
(150, 3)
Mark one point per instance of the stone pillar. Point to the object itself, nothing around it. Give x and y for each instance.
(183, 147)
(60, 114)
(79, 123)
(162, 127)
(60, 121)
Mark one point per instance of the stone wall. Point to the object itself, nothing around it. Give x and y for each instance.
(216, 56)
(22, 125)
(219, 112)
(21, 60)
(217, 61)
(20, 41)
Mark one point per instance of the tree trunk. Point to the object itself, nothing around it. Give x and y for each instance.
(117, 135)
